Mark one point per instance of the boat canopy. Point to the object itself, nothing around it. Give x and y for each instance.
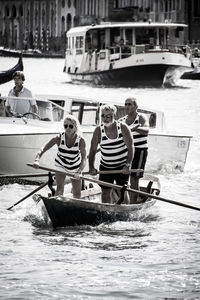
(83, 29)
(148, 35)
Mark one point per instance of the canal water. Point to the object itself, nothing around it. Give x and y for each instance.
(154, 256)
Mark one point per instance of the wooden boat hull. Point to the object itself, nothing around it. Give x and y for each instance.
(71, 212)
(7, 75)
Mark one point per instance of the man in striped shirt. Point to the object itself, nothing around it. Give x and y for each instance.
(139, 127)
(116, 146)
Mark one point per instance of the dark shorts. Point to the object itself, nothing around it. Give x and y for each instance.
(139, 161)
(119, 178)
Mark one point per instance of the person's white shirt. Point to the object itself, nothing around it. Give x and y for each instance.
(19, 105)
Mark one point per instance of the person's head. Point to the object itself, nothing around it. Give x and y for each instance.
(18, 78)
(121, 42)
(71, 124)
(108, 113)
(131, 105)
(19, 74)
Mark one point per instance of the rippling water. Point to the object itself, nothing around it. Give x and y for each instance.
(154, 256)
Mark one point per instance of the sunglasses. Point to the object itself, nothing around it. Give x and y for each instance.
(106, 116)
(70, 126)
(128, 104)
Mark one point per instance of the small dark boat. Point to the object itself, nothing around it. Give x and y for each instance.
(29, 53)
(195, 74)
(68, 211)
(7, 75)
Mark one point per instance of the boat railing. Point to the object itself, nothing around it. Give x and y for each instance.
(117, 53)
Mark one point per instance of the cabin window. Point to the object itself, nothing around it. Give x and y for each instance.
(102, 55)
(45, 110)
(88, 42)
(114, 36)
(144, 36)
(79, 42)
(86, 112)
(58, 112)
(129, 37)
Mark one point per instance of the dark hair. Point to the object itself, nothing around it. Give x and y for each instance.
(19, 74)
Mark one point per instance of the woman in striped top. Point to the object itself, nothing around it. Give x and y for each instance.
(71, 155)
(116, 146)
(139, 127)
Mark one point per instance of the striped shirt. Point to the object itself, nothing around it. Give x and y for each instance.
(68, 157)
(140, 140)
(113, 151)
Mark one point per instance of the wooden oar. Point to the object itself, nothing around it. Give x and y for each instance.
(120, 187)
(116, 171)
(30, 194)
(22, 175)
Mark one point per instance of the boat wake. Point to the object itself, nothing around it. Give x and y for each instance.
(172, 77)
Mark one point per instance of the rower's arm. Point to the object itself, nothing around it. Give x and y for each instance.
(128, 140)
(82, 147)
(93, 148)
(143, 126)
(48, 146)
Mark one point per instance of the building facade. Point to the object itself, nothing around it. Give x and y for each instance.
(42, 24)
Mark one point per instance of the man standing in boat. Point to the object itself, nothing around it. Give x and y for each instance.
(15, 106)
(116, 146)
(139, 127)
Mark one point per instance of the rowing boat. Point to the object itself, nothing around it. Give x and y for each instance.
(89, 210)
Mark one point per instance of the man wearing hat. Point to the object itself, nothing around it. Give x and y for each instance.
(15, 106)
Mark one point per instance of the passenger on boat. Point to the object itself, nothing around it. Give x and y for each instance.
(16, 107)
(139, 127)
(116, 146)
(71, 155)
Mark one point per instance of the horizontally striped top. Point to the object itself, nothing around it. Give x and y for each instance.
(140, 140)
(68, 157)
(113, 151)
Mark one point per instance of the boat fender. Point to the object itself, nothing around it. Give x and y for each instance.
(123, 190)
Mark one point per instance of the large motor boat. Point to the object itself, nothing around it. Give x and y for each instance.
(21, 137)
(126, 54)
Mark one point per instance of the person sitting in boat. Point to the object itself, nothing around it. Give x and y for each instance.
(15, 106)
(71, 155)
(116, 146)
(139, 127)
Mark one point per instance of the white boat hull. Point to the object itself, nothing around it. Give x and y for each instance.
(22, 138)
(146, 69)
(19, 149)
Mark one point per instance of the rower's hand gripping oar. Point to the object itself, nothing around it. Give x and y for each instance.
(120, 187)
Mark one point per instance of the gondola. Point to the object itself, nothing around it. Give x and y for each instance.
(7, 75)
